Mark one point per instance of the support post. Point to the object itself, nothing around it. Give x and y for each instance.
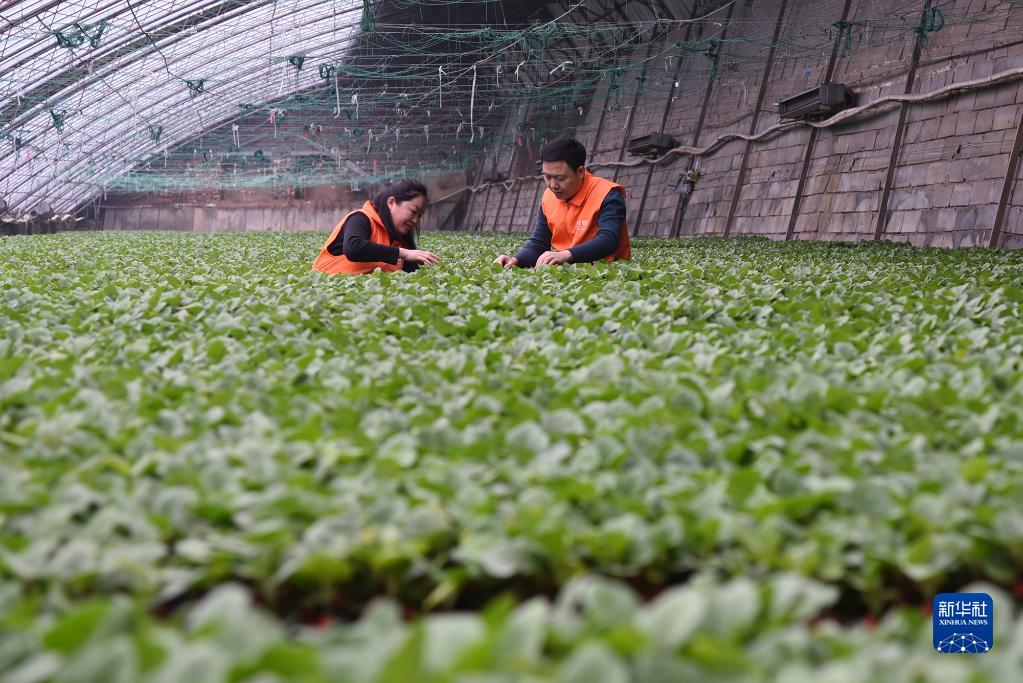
(486, 202)
(600, 123)
(811, 143)
(515, 208)
(504, 191)
(683, 202)
(900, 129)
(1007, 184)
(632, 112)
(747, 150)
(592, 150)
(536, 206)
(664, 123)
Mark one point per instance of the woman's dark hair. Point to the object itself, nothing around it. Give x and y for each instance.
(568, 150)
(402, 191)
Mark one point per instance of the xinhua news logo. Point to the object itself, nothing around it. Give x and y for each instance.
(964, 623)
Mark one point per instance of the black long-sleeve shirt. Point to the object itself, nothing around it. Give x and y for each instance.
(609, 232)
(353, 242)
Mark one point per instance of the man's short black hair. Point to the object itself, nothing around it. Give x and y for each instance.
(568, 150)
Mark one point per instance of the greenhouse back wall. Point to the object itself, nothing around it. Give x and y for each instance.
(277, 116)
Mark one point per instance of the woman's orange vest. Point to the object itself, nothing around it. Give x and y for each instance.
(577, 220)
(338, 265)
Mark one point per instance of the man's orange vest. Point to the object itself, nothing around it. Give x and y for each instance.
(338, 265)
(577, 220)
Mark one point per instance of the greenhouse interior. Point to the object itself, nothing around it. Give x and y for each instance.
(476, 341)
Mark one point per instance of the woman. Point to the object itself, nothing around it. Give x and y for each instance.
(379, 235)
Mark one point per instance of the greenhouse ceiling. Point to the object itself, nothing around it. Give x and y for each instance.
(139, 96)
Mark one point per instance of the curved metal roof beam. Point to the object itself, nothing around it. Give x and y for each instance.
(134, 49)
(118, 69)
(120, 76)
(130, 33)
(187, 131)
(46, 43)
(181, 86)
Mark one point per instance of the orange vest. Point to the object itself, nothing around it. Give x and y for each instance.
(337, 265)
(577, 220)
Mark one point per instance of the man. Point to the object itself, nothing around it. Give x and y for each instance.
(581, 216)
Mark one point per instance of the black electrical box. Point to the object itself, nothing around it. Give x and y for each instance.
(651, 145)
(821, 102)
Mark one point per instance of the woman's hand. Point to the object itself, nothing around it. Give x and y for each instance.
(427, 258)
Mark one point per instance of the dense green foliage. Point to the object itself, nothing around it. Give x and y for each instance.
(725, 460)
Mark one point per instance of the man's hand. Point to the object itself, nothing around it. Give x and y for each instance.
(554, 258)
(506, 261)
(425, 258)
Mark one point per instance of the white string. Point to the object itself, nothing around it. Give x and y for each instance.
(274, 113)
(284, 75)
(337, 96)
(472, 105)
(560, 66)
